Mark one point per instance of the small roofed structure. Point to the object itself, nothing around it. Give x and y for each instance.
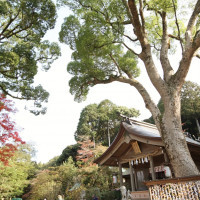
(138, 148)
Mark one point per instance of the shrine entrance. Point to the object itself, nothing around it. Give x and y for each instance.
(139, 153)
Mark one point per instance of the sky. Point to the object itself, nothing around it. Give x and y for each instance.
(54, 131)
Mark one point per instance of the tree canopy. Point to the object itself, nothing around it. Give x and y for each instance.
(22, 50)
(109, 39)
(101, 121)
(69, 151)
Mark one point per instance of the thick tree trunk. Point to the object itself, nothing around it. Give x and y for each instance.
(174, 139)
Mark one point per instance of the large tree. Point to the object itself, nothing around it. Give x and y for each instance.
(108, 37)
(22, 50)
(101, 121)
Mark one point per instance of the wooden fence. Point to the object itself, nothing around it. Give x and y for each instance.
(187, 188)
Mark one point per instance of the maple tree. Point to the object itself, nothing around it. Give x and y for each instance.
(9, 136)
(88, 150)
(85, 153)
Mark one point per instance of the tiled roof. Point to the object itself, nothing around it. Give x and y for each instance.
(139, 131)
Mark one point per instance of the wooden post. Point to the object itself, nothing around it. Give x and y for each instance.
(132, 177)
(165, 156)
(152, 168)
(136, 180)
(120, 174)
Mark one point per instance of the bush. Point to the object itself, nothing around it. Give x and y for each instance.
(74, 194)
(108, 195)
(104, 195)
(91, 192)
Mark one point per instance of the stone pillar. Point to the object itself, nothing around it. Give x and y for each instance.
(152, 168)
(120, 174)
(132, 177)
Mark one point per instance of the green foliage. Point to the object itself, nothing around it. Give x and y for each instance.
(54, 181)
(74, 193)
(190, 99)
(22, 51)
(159, 5)
(50, 163)
(100, 34)
(114, 194)
(68, 173)
(15, 177)
(190, 107)
(70, 179)
(91, 192)
(94, 176)
(95, 34)
(45, 185)
(96, 120)
(103, 195)
(69, 151)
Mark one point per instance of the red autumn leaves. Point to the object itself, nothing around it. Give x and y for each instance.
(9, 137)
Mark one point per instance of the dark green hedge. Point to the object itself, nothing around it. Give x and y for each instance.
(103, 195)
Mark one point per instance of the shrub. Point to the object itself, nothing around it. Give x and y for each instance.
(108, 195)
(91, 192)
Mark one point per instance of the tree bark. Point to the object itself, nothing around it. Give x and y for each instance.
(168, 124)
(174, 139)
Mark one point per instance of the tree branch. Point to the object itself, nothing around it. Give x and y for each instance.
(150, 105)
(7, 93)
(44, 58)
(115, 62)
(176, 20)
(132, 40)
(124, 22)
(10, 22)
(190, 26)
(175, 37)
(91, 8)
(142, 15)
(145, 55)
(191, 45)
(128, 10)
(130, 49)
(7, 75)
(136, 22)
(108, 43)
(167, 69)
(11, 32)
(198, 56)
